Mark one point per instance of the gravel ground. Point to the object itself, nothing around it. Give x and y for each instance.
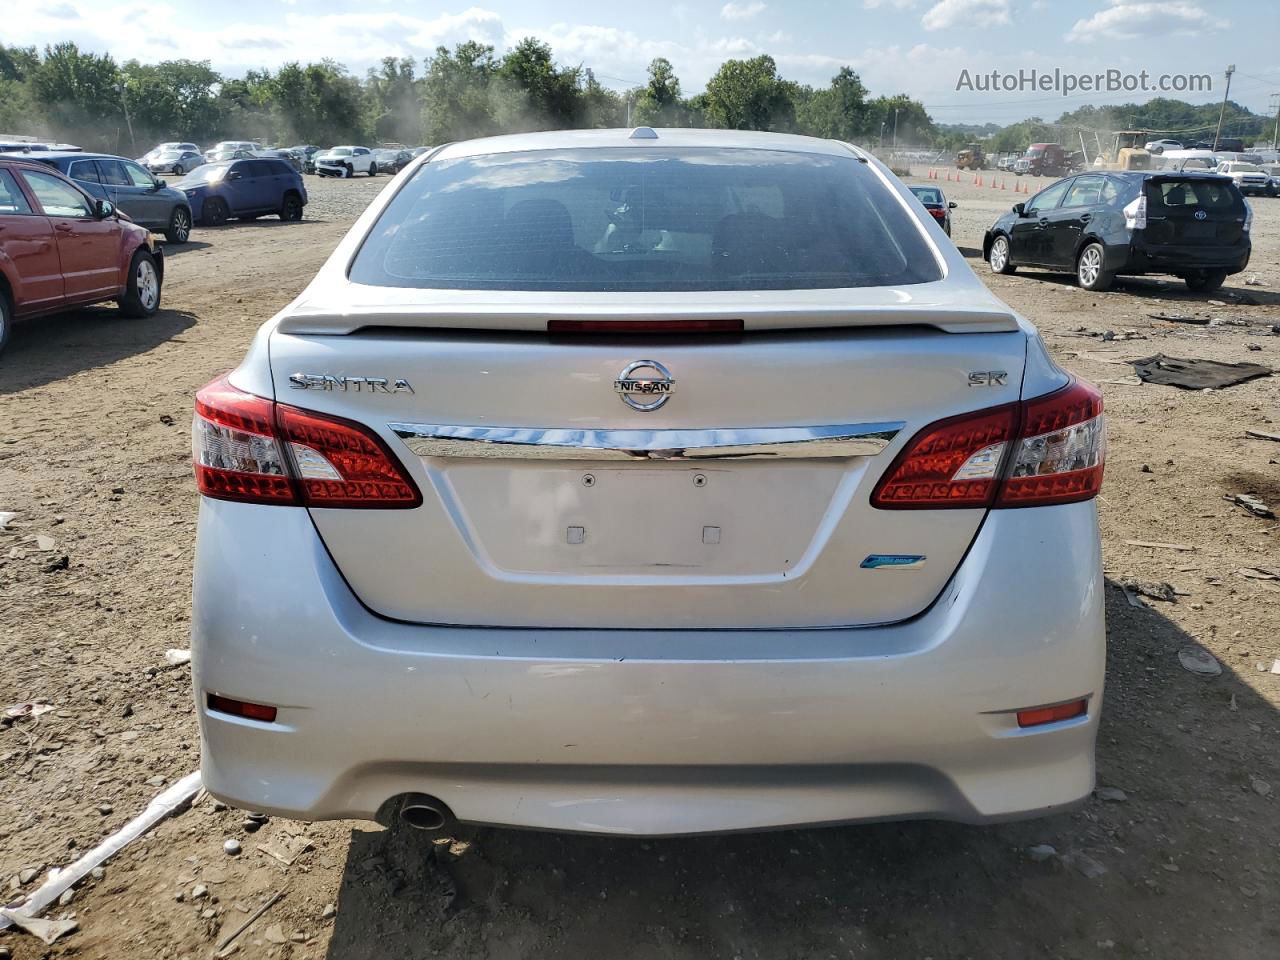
(1177, 858)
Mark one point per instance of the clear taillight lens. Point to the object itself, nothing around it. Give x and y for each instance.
(1248, 216)
(1046, 450)
(1135, 213)
(250, 449)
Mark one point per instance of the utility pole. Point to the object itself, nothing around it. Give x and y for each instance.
(1230, 70)
(1275, 136)
(895, 127)
(124, 102)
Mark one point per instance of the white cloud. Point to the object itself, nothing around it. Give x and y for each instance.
(778, 36)
(742, 11)
(966, 13)
(896, 4)
(1124, 20)
(61, 11)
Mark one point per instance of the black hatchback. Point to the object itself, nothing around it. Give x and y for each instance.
(1109, 223)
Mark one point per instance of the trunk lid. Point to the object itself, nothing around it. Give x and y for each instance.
(742, 500)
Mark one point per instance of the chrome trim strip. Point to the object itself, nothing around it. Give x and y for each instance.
(753, 443)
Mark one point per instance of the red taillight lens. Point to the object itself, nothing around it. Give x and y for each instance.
(239, 444)
(1058, 449)
(951, 463)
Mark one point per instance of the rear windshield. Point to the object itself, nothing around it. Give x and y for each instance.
(1194, 192)
(645, 219)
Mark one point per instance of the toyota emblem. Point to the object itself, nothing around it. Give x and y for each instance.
(1201, 215)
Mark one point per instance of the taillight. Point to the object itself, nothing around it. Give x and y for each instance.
(250, 449)
(1042, 451)
(1135, 213)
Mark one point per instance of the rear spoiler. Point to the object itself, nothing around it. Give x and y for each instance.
(308, 319)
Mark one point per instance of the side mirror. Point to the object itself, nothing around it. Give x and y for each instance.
(104, 209)
(157, 185)
(952, 204)
(234, 175)
(1020, 209)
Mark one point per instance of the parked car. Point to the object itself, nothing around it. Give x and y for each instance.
(392, 161)
(419, 151)
(288, 156)
(939, 206)
(133, 191)
(1225, 144)
(1103, 225)
(225, 148)
(1160, 146)
(177, 162)
(170, 147)
(61, 248)
(346, 162)
(1248, 177)
(244, 189)
(499, 524)
(308, 154)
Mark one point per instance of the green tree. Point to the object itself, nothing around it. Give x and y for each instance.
(174, 99)
(77, 92)
(532, 93)
(749, 95)
(914, 125)
(455, 93)
(601, 107)
(658, 103)
(839, 112)
(394, 98)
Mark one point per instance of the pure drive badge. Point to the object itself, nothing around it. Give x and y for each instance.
(327, 381)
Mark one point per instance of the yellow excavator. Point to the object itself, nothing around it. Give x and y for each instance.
(1128, 152)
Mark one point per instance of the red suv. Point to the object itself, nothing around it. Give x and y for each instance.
(61, 248)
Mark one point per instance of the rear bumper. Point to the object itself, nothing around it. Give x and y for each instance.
(650, 732)
(1180, 259)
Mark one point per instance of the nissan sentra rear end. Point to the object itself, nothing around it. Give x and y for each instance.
(648, 483)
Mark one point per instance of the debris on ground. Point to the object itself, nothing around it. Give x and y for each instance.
(166, 804)
(1180, 318)
(1254, 281)
(232, 847)
(1161, 546)
(1041, 852)
(5, 517)
(1155, 589)
(1261, 787)
(1085, 865)
(24, 711)
(1258, 573)
(176, 658)
(47, 930)
(1262, 435)
(1252, 503)
(1197, 659)
(1196, 374)
(229, 939)
(1111, 794)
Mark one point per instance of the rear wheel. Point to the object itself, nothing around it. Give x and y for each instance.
(142, 295)
(1090, 272)
(998, 256)
(216, 212)
(1205, 281)
(179, 226)
(179, 170)
(373, 169)
(291, 209)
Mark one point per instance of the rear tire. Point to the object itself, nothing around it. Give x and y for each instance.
(291, 208)
(179, 230)
(216, 212)
(1205, 281)
(998, 256)
(142, 295)
(1090, 273)
(373, 169)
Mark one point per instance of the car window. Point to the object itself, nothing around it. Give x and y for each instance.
(12, 200)
(1176, 194)
(58, 199)
(1110, 192)
(113, 173)
(928, 194)
(1048, 199)
(257, 168)
(645, 219)
(360, 151)
(1084, 192)
(137, 176)
(86, 171)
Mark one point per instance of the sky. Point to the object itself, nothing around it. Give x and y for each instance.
(918, 47)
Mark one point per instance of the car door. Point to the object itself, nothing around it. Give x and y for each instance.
(239, 186)
(1028, 237)
(145, 191)
(1069, 221)
(28, 244)
(88, 247)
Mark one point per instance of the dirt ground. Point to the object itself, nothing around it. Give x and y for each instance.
(1183, 862)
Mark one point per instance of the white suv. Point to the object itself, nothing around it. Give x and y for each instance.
(648, 483)
(346, 162)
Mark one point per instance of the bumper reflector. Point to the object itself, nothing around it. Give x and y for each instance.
(239, 708)
(1039, 716)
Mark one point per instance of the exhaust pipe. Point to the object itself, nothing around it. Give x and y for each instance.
(421, 812)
